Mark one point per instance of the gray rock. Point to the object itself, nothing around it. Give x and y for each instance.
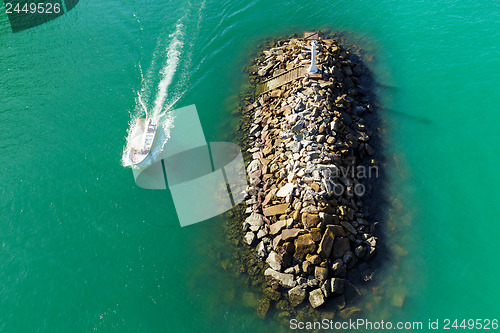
(298, 126)
(249, 238)
(297, 295)
(294, 146)
(261, 249)
(255, 219)
(274, 261)
(316, 298)
(286, 280)
(261, 233)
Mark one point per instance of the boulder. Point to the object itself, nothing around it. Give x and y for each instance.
(290, 234)
(326, 288)
(255, 219)
(274, 261)
(304, 245)
(285, 191)
(297, 295)
(336, 230)
(276, 210)
(249, 238)
(310, 220)
(349, 227)
(316, 298)
(340, 246)
(277, 226)
(286, 280)
(315, 234)
(321, 273)
(313, 259)
(337, 286)
(326, 244)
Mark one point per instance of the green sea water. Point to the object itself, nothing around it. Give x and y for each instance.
(83, 248)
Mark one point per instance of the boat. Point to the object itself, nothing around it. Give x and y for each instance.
(143, 136)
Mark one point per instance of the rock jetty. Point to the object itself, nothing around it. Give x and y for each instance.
(309, 159)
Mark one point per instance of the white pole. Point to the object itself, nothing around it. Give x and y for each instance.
(312, 68)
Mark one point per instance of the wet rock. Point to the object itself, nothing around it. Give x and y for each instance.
(349, 312)
(340, 246)
(326, 288)
(316, 298)
(349, 227)
(297, 295)
(286, 280)
(337, 286)
(321, 273)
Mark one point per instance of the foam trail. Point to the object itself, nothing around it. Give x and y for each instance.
(173, 57)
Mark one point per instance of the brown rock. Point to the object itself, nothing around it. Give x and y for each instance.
(321, 273)
(289, 234)
(337, 230)
(315, 186)
(289, 247)
(313, 259)
(304, 245)
(315, 234)
(276, 210)
(325, 247)
(310, 220)
(269, 196)
(276, 227)
(340, 246)
(296, 216)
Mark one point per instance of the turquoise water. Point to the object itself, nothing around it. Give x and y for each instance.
(84, 249)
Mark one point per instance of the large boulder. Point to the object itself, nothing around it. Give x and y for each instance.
(304, 244)
(274, 261)
(255, 219)
(249, 238)
(316, 298)
(286, 280)
(276, 210)
(337, 286)
(290, 234)
(297, 295)
(340, 246)
(326, 244)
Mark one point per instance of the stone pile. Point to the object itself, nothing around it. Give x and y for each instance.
(310, 151)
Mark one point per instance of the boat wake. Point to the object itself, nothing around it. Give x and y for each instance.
(155, 103)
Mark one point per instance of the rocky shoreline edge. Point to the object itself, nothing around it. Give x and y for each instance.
(310, 165)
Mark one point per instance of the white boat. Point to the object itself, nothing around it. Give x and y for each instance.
(143, 136)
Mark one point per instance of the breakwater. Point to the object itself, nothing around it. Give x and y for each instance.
(311, 164)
